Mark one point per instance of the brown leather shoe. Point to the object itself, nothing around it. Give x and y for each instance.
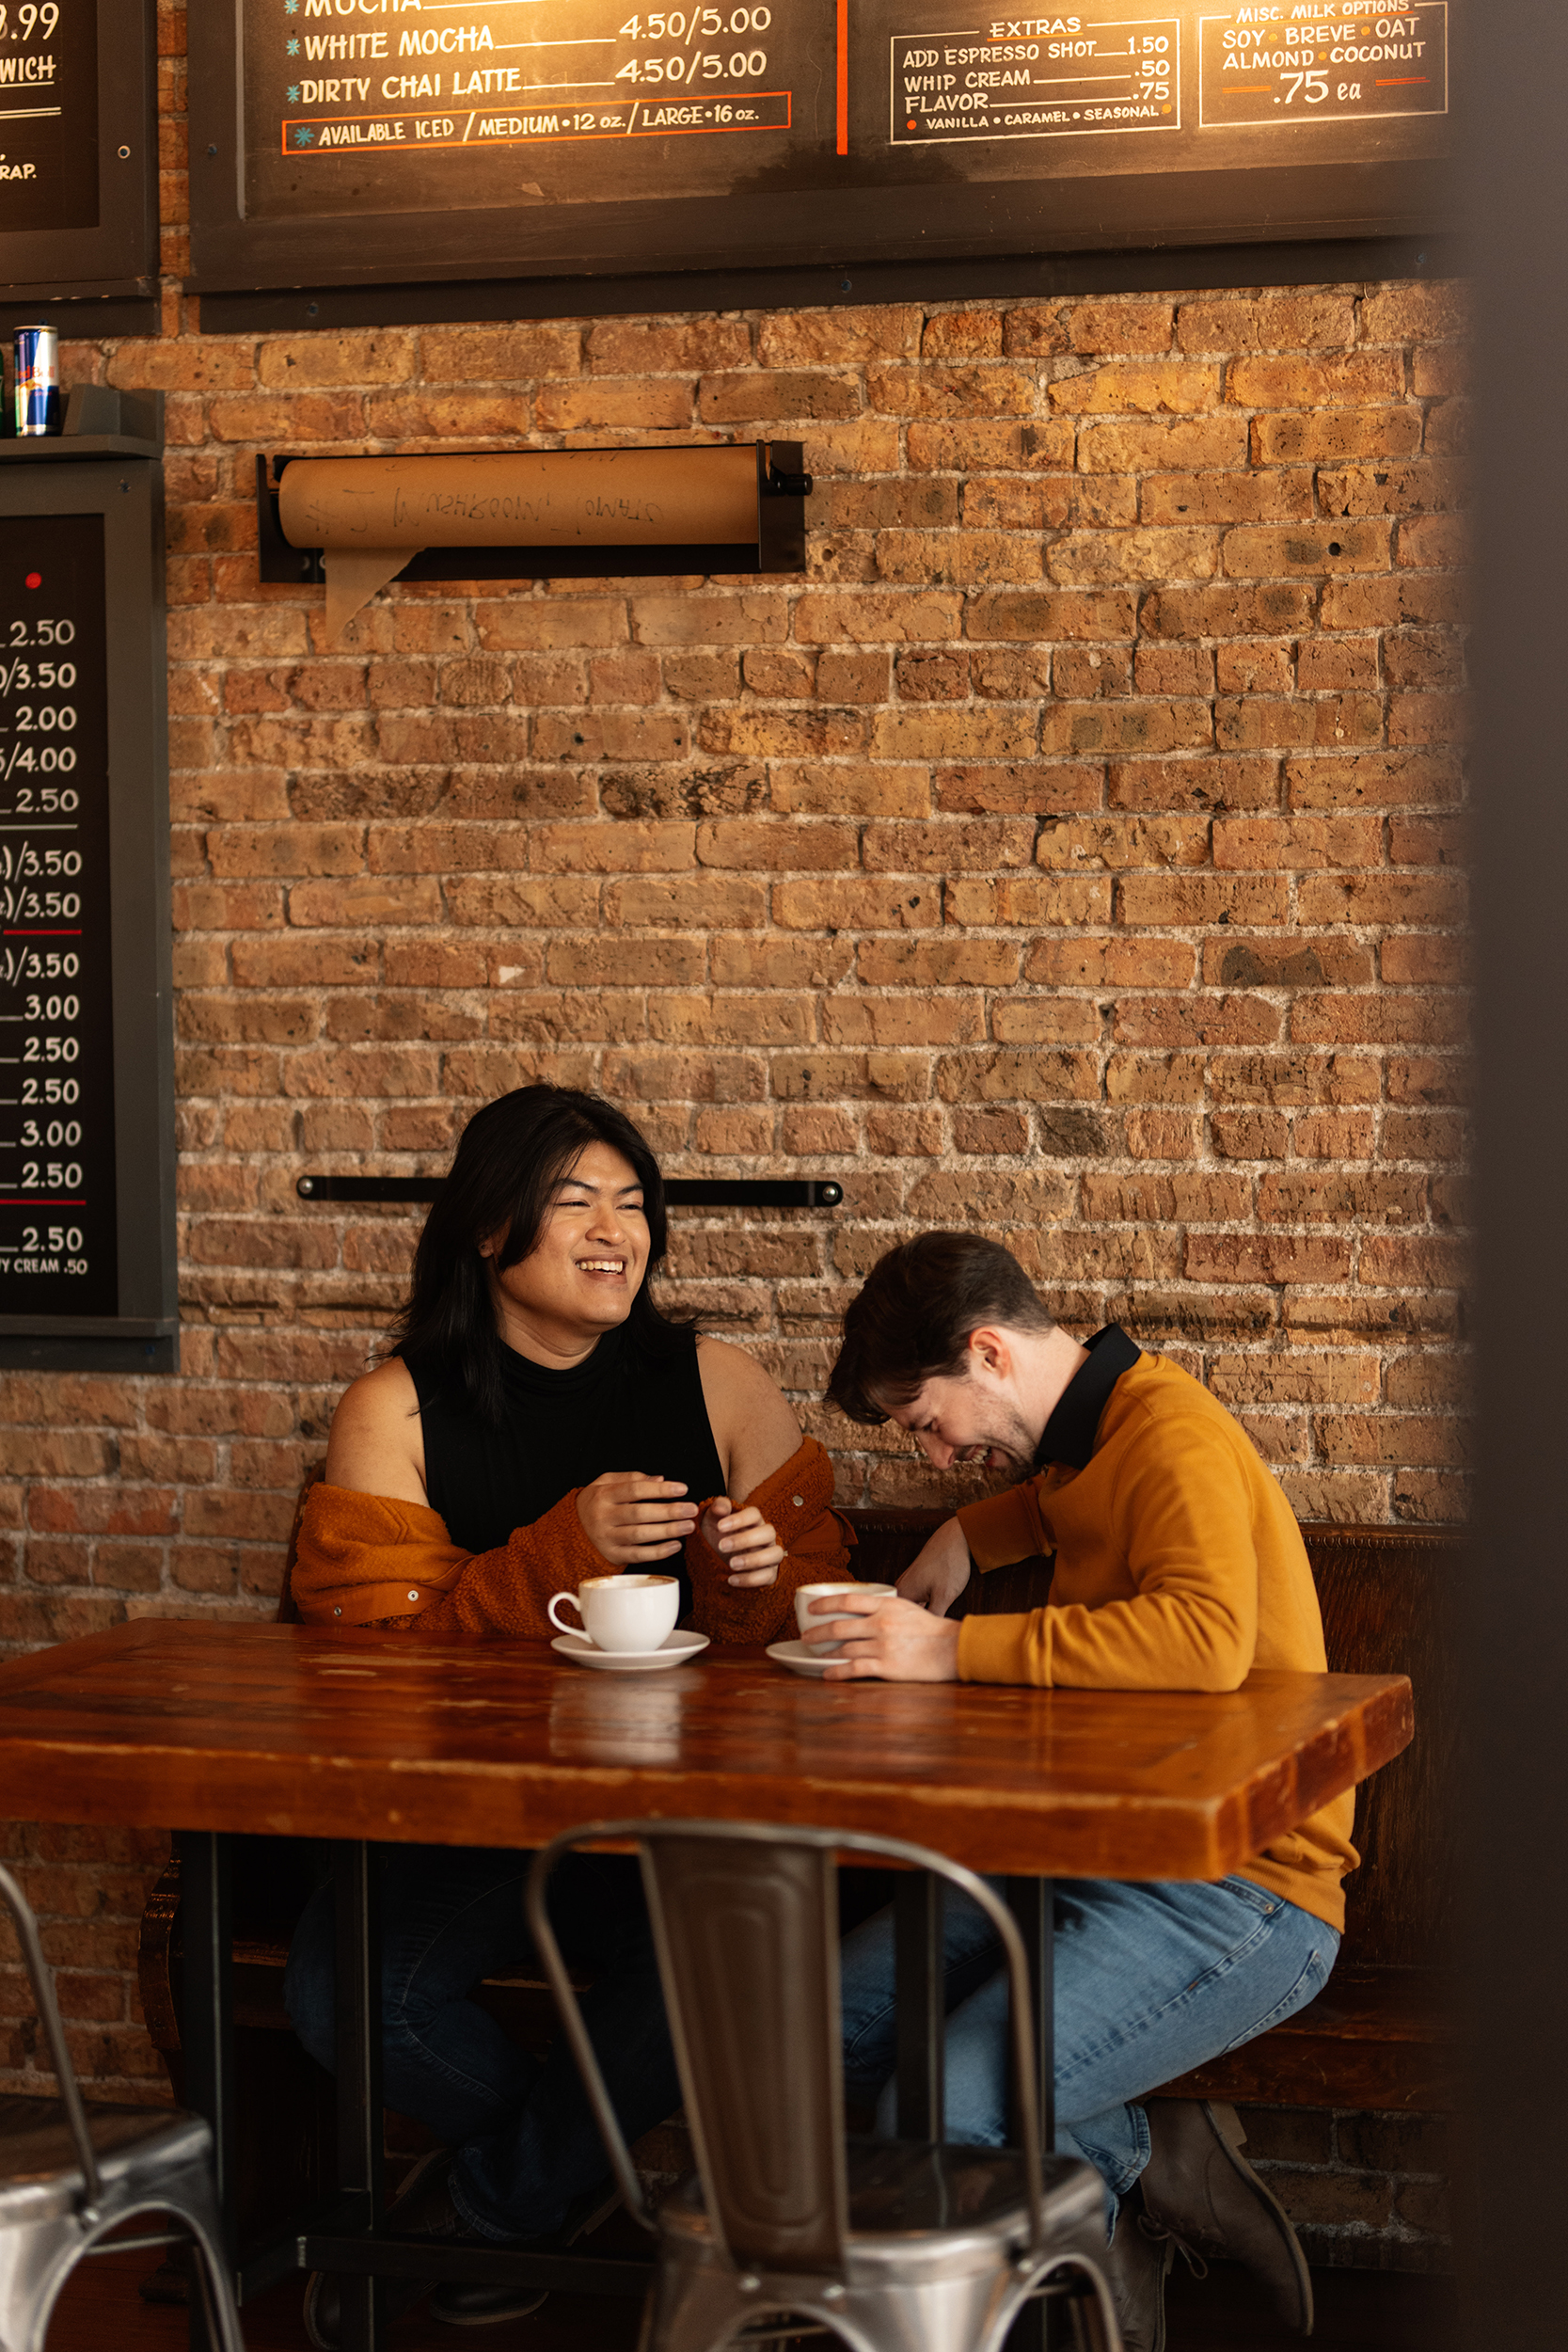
(1137, 2262)
(1199, 2187)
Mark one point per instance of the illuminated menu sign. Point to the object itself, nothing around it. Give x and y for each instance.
(388, 102)
(473, 138)
(57, 1212)
(48, 115)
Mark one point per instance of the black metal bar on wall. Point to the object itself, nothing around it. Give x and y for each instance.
(681, 1192)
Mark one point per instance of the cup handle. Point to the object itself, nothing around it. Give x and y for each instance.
(556, 1621)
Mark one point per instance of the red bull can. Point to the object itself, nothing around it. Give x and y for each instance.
(37, 380)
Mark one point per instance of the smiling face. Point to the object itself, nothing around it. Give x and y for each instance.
(579, 1279)
(972, 1417)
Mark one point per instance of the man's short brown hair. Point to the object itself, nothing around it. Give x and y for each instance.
(913, 1320)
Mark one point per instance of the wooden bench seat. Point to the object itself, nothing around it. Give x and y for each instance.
(1379, 2037)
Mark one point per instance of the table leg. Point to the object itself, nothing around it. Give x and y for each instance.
(1033, 1904)
(207, 2020)
(921, 2011)
(357, 2032)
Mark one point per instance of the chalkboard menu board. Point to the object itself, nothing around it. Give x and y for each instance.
(78, 156)
(452, 137)
(85, 1055)
(58, 1244)
(49, 114)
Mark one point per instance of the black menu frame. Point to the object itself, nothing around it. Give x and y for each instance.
(142, 1336)
(750, 236)
(47, 272)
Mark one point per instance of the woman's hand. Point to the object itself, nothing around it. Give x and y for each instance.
(633, 1520)
(745, 1539)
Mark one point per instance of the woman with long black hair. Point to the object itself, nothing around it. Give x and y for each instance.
(539, 1421)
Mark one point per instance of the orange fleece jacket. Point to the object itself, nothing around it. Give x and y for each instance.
(1179, 1566)
(372, 1560)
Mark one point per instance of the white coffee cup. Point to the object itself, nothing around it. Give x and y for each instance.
(806, 1593)
(623, 1612)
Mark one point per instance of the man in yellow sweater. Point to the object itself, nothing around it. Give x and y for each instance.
(1178, 1567)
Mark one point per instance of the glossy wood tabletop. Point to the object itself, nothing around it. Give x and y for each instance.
(290, 1731)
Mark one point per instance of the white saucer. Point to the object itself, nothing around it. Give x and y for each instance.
(801, 1657)
(673, 1650)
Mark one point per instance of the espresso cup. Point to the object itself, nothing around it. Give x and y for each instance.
(623, 1612)
(806, 1593)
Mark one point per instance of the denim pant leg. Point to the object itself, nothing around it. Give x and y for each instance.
(526, 2140)
(449, 1917)
(1150, 1982)
(522, 2177)
(969, 1951)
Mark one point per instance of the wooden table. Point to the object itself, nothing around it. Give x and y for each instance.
(360, 1736)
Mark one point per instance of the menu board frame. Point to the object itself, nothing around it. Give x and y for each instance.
(128, 494)
(48, 268)
(759, 233)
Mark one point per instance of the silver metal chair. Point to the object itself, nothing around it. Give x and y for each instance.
(891, 2246)
(71, 2173)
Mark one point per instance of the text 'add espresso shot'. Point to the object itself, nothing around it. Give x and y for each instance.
(58, 1221)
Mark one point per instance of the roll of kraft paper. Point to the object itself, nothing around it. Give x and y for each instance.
(369, 515)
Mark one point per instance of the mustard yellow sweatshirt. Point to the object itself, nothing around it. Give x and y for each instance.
(1179, 1566)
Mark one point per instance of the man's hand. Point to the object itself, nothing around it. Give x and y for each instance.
(634, 1520)
(891, 1639)
(745, 1539)
(938, 1575)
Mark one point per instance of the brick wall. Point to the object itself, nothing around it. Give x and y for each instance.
(1365, 2192)
(1072, 849)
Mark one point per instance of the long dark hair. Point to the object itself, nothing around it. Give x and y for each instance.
(510, 1157)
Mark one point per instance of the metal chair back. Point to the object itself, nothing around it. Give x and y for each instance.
(130, 2163)
(745, 1925)
(42, 1983)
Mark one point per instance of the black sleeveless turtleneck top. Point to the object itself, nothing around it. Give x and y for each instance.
(620, 1409)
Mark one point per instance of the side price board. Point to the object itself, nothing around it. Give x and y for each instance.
(462, 138)
(58, 1240)
(87, 1101)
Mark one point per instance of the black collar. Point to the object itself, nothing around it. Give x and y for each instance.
(1069, 1436)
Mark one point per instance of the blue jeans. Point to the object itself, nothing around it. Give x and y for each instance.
(1151, 1981)
(526, 2144)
